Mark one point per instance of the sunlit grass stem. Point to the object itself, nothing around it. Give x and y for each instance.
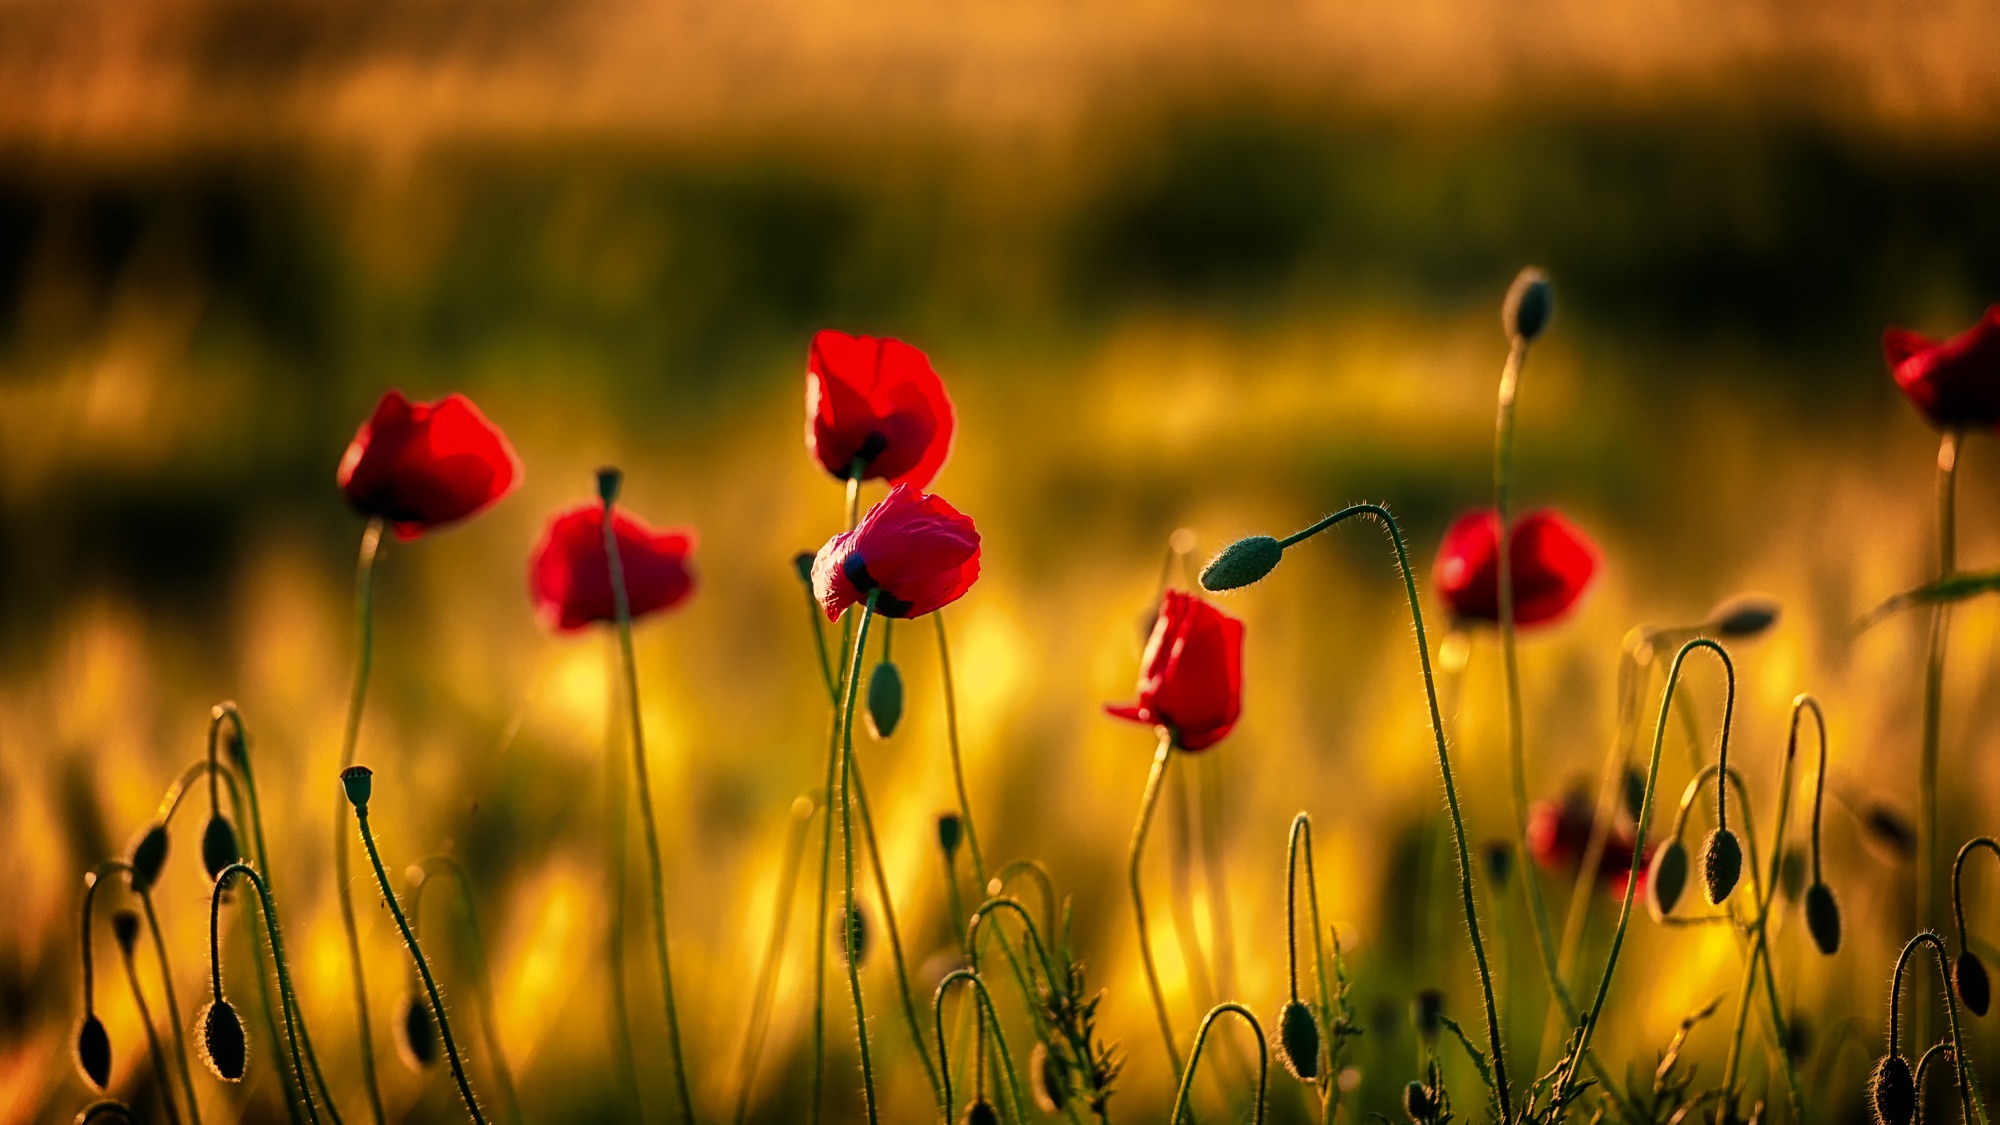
(1201, 1040)
(796, 827)
(1933, 705)
(153, 1048)
(482, 979)
(1134, 854)
(364, 655)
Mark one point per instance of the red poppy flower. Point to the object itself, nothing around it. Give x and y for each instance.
(1955, 383)
(918, 551)
(876, 400)
(570, 577)
(1553, 564)
(1192, 682)
(1558, 834)
(421, 465)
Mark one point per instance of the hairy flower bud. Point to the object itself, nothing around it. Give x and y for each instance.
(1721, 864)
(1245, 561)
(1743, 616)
(223, 1047)
(1298, 1041)
(1892, 1090)
(219, 848)
(1420, 1102)
(416, 1033)
(980, 1112)
(149, 856)
(1968, 979)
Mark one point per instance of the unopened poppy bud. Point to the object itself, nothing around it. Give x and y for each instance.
(1721, 864)
(854, 934)
(93, 1050)
(1420, 1102)
(1892, 1090)
(609, 480)
(1742, 617)
(980, 1112)
(803, 563)
(1298, 1041)
(149, 856)
(1426, 1013)
(1245, 561)
(1049, 1079)
(125, 928)
(1890, 830)
(416, 1034)
(1969, 980)
(223, 1048)
(1499, 859)
(1667, 879)
(885, 701)
(1823, 918)
(950, 832)
(1531, 301)
(359, 781)
(219, 848)
(1792, 869)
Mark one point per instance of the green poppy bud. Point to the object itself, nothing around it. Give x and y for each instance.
(980, 1112)
(885, 701)
(359, 781)
(1742, 617)
(950, 832)
(1531, 301)
(1667, 879)
(1420, 1102)
(1245, 561)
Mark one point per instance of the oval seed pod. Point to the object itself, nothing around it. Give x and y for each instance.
(93, 1050)
(125, 928)
(1298, 1041)
(1531, 301)
(1420, 1102)
(1823, 918)
(219, 848)
(149, 856)
(1892, 1091)
(1667, 879)
(359, 783)
(223, 1047)
(1721, 864)
(1049, 1078)
(885, 701)
(980, 1112)
(1245, 561)
(416, 1033)
(1969, 980)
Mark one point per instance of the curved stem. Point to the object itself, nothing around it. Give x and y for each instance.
(1936, 944)
(364, 613)
(1034, 870)
(1957, 880)
(990, 1021)
(767, 972)
(1692, 793)
(1194, 1059)
(153, 1048)
(489, 1022)
(1298, 842)
(1134, 854)
(423, 967)
(847, 848)
(286, 994)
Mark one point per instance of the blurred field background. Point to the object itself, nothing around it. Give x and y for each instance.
(1221, 267)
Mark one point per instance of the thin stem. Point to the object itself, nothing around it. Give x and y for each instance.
(1936, 1051)
(1927, 816)
(489, 1021)
(1146, 805)
(1215, 872)
(991, 1021)
(881, 876)
(1957, 879)
(847, 849)
(1194, 1059)
(1936, 944)
(1610, 787)
(622, 605)
(957, 757)
(1298, 842)
(423, 967)
(153, 1047)
(174, 1006)
(364, 654)
(1034, 870)
(797, 825)
(286, 994)
(615, 831)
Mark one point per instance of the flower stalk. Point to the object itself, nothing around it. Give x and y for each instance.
(364, 655)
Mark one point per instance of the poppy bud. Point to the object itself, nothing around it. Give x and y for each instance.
(1968, 979)
(125, 928)
(223, 1047)
(359, 781)
(1742, 617)
(149, 856)
(803, 563)
(1245, 561)
(1892, 1090)
(980, 1112)
(1823, 918)
(1667, 880)
(1298, 1041)
(1499, 860)
(1635, 793)
(1426, 1012)
(885, 701)
(109, 1112)
(1049, 1079)
(1890, 830)
(416, 1034)
(1531, 301)
(610, 480)
(854, 934)
(1721, 864)
(950, 830)
(1792, 872)
(1420, 1102)
(218, 846)
(93, 1050)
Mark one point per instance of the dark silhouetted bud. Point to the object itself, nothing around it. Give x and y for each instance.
(1426, 1010)
(803, 563)
(1792, 869)
(885, 701)
(1892, 1090)
(950, 832)
(610, 480)
(359, 781)
(93, 1051)
(416, 1033)
(1241, 563)
(1049, 1078)
(1531, 301)
(1889, 830)
(1968, 979)
(980, 1112)
(1499, 860)
(1420, 1102)
(1721, 864)
(223, 1048)
(854, 934)
(1667, 879)
(125, 928)
(1298, 1041)
(149, 856)
(219, 848)
(1742, 617)
(1823, 918)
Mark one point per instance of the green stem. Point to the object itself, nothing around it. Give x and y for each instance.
(153, 1048)
(881, 876)
(1040, 876)
(423, 967)
(286, 994)
(1194, 1059)
(989, 1020)
(622, 605)
(847, 849)
(1960, 1063)
(1958, 876)
(1329, 1086)
(489, 1022)
(957, 756)
(1135, 853)
(1927, 817)
(800, 822)
(623, 1060)
(364, 612)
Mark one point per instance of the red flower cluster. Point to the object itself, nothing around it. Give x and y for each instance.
(569, 575)
(1955, 383)
(1192, 680)
(876, 401)
(1558, 834)
(917, 554)
(1553, 562)
(421, 465)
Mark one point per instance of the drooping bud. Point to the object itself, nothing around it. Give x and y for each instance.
(1298, 1041)
(416, 1033)
(980, 1112)
(1531, 301)
(1742, 617)
(359, 781)
(1241, 563)
(1892, 1090)
(1792, 870)
(1667, 879)
(1823, 918)
(223, 1047)
(125, 928)
(854, 934)
(1721, 864)
(1420, 1102)
(885, 701)
(219, 848)
(93, 1050)
(1049, 1078)
(1969, 980)
(1426, 1014)
(149, 857)
(950, 832)
(803, 563)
